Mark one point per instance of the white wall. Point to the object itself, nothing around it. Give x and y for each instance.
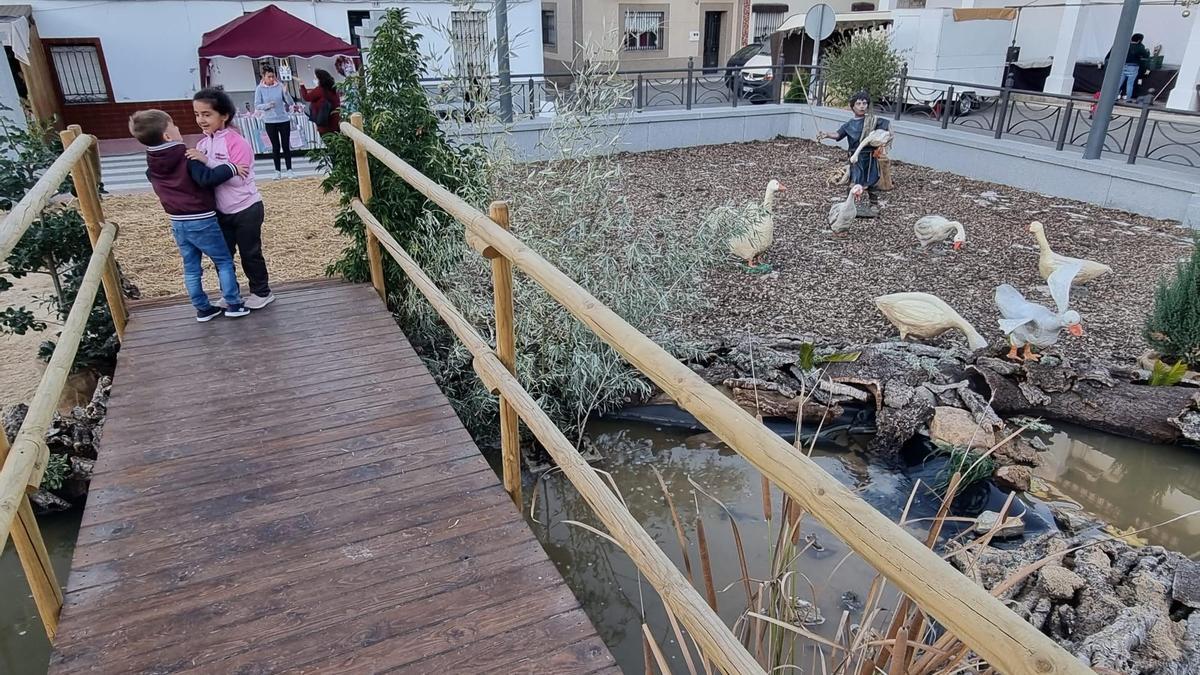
(8, 97)
(1160, 24)
(150, 45)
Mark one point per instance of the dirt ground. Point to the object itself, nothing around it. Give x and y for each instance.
(298, 237)
(824, 286)
(20, 368)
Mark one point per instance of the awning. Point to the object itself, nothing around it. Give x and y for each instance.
(272, 32)
(985, 14)
(795, 22)
(14, 30)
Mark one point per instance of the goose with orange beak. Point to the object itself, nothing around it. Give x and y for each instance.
(1030, 325)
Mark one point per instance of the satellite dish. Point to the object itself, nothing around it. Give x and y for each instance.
(819, 22)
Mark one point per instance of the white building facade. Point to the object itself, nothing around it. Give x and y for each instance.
(110, 57)
(1070, 32)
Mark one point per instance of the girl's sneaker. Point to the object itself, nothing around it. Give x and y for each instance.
(278, 175)
(237, 310)
(209, 314)
(256, 301)
(291, 174)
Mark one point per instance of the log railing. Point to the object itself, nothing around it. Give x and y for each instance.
(22, 465)
(1008, 643)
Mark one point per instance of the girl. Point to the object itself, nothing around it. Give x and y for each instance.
(273, 100)
(239, 205)
(325, 103)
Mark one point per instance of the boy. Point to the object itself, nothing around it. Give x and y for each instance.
(866, 171)
(185, 189)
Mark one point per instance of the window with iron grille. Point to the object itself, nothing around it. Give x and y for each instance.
(469, 34)
(80, 73)
(644, 30)
(766, 21)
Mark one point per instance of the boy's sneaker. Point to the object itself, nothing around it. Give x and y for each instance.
(258, 301)
(208, 314)
(237, 310)
(291, 174)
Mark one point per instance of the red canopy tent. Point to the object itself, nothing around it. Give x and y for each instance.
(269, 32)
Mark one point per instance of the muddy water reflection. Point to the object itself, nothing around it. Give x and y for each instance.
(607, 582)
(24, 649)
(1129, 484)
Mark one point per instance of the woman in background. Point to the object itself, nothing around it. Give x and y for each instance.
(273, 99)
(324, 103)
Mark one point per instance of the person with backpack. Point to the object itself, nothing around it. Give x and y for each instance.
(323, 103)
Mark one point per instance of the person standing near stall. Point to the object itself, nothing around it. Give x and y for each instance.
(323, 103)
(273, 99)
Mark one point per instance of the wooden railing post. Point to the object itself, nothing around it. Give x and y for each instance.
(506, 350)
(374, 255)
(86, 177)
(35, 561)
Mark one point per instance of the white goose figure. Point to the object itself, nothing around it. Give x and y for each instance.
(1031, 325)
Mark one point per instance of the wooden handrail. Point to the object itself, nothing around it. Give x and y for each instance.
(30, 207)
(1007, 641)
(22, 471)
(714, 638)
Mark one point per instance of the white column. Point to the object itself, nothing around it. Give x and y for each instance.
(1066, 52)
(1183, 96)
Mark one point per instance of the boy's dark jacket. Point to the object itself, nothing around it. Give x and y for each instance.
(184, 186)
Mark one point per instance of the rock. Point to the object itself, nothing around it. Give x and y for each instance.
(1017, 451)
(48, 502)
(1185, 587)
(1059, 583)
(957, 427)
(1012, 527)
(1072, 519)
(1013, 477)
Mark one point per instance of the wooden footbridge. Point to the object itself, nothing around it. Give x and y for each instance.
(290, 491)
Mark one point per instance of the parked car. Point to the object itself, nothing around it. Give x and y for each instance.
(754, 63)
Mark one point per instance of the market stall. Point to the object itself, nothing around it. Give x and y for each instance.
(231, 57)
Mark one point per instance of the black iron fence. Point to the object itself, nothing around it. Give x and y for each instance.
(1137, 131)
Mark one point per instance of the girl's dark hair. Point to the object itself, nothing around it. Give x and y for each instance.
(267, 69)
(325, 79)
(218, 99)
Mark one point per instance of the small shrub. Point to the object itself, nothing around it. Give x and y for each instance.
(1167, 376)
(55, 245)
(58, 469)
(799, 86)
(973, 466)
(866, 63)
(1173, 328)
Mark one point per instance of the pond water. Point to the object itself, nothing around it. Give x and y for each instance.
(1125, 482)
(24, 649)
(1129, 484)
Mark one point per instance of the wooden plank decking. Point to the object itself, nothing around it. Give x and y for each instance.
(290, 492)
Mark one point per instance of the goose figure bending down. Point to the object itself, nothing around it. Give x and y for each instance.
(1031, 325)
(933, 229)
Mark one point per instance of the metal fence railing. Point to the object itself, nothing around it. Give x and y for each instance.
(1137, 131)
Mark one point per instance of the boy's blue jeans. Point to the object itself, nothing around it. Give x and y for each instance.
(1129, 77)
(197, 238)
